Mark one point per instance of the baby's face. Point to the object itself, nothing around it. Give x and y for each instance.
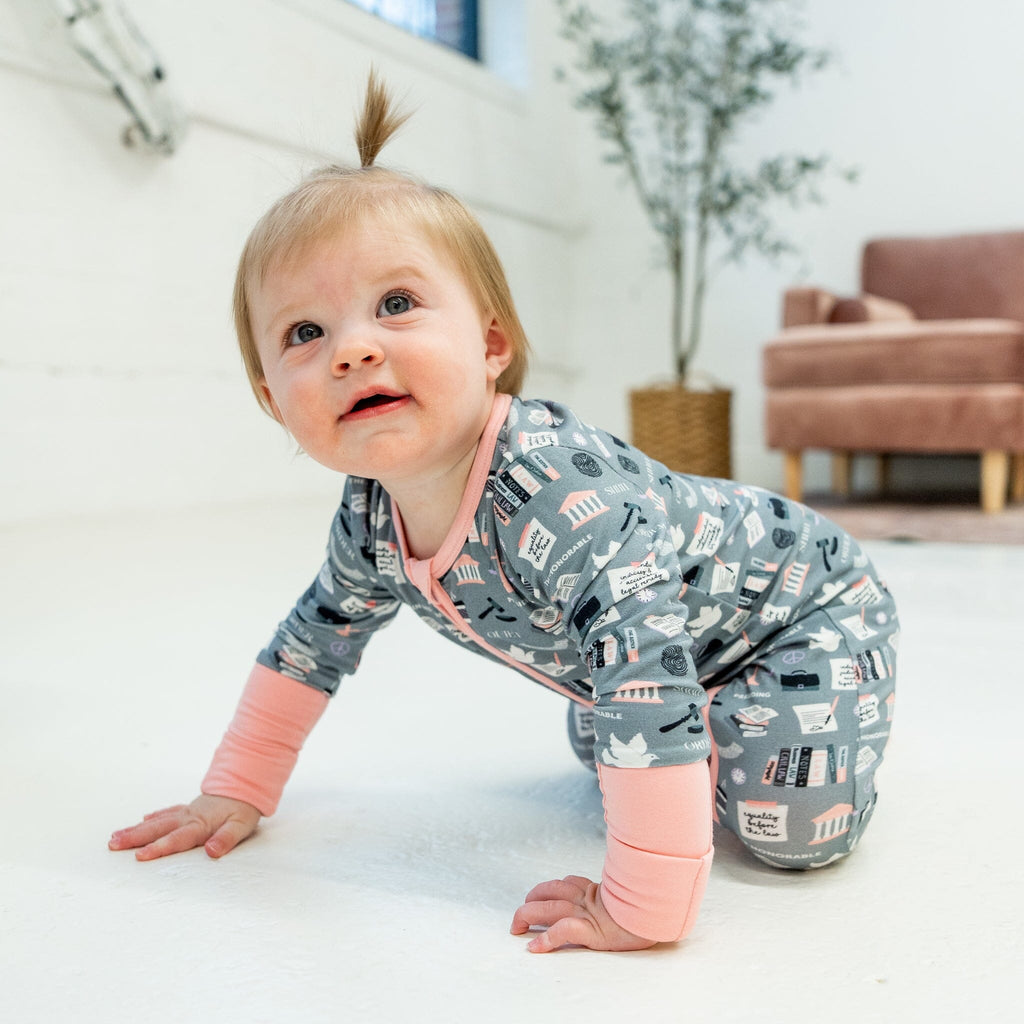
(376, 357)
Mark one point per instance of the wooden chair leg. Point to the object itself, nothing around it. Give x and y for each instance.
(995, 471)
(794, 473)
(842, 473)
(1017, 476)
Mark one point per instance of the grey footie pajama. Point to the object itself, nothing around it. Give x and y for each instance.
(664, 603)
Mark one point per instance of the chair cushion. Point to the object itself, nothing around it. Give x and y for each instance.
(868, 307)
(901, 418)
(897, 352)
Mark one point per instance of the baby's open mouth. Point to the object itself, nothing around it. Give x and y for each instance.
(372, 401)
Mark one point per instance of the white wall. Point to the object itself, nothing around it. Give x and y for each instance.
(120, 386)
(119, 383)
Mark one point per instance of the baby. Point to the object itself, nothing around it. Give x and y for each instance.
(729, 655)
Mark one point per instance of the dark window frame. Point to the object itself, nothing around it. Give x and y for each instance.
(456, 22)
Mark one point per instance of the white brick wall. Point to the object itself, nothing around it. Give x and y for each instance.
(119, 383)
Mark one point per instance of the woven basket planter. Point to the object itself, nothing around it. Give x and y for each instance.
(689, 431)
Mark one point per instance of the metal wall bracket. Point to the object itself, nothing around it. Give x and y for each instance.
(104, 35)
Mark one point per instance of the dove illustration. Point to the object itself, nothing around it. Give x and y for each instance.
(730, 752)
(628, 755)
(824, 640)
(708, 616)
(600, 561)
(829, 589)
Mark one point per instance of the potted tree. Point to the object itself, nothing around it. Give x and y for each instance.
(669, 84)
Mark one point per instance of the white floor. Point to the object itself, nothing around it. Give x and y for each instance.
(435, 793)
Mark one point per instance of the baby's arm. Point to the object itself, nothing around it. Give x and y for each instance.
(262, 744)
(245, 780)
(320, 641)
(656, 868)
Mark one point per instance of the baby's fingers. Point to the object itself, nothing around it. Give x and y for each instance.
(567, 931)
(152, 827)
(190, 835)
(228, 836)
(541, 913)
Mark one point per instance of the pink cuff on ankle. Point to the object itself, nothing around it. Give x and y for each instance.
(659, 847)
(254, 760)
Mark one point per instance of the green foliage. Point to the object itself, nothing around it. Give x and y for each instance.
(669, 85)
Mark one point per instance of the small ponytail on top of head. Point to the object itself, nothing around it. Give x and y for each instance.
(378, 121)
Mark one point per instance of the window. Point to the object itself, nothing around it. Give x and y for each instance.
(451, 22)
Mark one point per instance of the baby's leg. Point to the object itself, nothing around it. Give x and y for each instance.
(580, 725)
(800, 732)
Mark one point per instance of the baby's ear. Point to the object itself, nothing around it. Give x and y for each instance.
(498, 352)
(268, 399)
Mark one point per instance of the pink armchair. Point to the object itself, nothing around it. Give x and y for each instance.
(929, 358)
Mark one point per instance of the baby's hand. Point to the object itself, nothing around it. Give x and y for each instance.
(572, 912)
(216, 822)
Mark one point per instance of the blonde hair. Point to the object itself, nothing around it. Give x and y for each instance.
(334, 198)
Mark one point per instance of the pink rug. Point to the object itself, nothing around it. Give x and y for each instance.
(944, 518)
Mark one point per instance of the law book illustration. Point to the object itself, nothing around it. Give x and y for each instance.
(543, 466)
(548, 618)
(755, 528)
(753, 720)
(801, 767)
(514, 488)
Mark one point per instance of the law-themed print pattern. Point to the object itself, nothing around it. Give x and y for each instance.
(641, 593)
(800, 732)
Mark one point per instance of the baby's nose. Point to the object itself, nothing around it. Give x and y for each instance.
(351, 353)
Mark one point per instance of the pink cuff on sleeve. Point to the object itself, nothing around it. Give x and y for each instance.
(254, 760)
(659, 847)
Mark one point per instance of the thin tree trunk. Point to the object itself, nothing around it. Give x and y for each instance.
(678, 347)
(699, 284)
(678, 266)
(700, 256)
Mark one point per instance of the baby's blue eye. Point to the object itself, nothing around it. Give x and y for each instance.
(302, 333)
(394, 304)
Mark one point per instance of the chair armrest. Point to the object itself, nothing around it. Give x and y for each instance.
(806, 305)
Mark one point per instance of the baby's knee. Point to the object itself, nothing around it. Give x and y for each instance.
(796, 838)
(801, 860)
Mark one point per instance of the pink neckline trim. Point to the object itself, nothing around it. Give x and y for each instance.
(421, 570)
